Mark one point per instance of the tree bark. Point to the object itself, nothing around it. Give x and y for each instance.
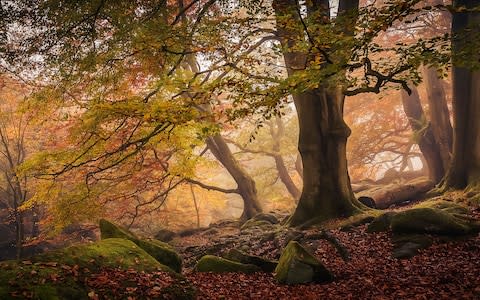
(425, 138)
(392, 194)
(246, 185)
(465, 166)
(327, 192)
(439, 114)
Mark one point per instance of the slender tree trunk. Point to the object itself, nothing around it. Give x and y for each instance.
(423, 130)
(299, 165)
(465, 166)
(327, 191)
(278, 132)
(195, 203)
(245, 183)
(439, 115)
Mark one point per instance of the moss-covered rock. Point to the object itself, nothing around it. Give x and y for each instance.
(407, 246)
(162, 252)
(37, 277)
(215, 264)
(297, 266)
(381, 223)
(430, 221)
(244, 258)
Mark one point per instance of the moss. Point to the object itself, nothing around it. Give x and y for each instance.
(353, 221)
(106, 253)
(430, 221)
(244, 258)
(381, 223)
(210, 263)
(162, 252)
(446, 206)
(110, 230)
(297, 266)
(114, 252)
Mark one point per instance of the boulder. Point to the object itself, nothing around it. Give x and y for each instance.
(37, 278)
(381, 223)
(161, 251)
(430, 221)
(297, 266)
(215, 264)
(165, 235)
(244, 258)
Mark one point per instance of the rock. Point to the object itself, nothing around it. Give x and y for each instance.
(215, 264)
(381, 223)
(367, 201)
(161, 251)
(430, 221)
(244, 258)
(35, 275)
(271, 218)
(297, 266)
(407, 246)
(165, 235)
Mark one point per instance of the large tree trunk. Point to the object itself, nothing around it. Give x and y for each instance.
(323, 136)
(439, 115)
(423, 130)
(465, 166)
(327, 192)
(245, 183)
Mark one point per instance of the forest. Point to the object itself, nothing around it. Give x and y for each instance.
(243, 149)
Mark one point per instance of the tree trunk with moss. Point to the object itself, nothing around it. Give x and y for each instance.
(423, 134)
(327, 192)
(465, 166)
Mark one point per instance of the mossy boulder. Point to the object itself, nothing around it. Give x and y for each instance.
(297, 266)
(215, 264)
(244, 258)
(37, 276)
(162, 252)
(381, 223)
(430, 221)
(407, 246)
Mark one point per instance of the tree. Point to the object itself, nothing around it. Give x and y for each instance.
(465, 166)
(15, 142)
(323, 134)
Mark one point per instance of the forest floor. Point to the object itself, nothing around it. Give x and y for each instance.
(448, 269)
